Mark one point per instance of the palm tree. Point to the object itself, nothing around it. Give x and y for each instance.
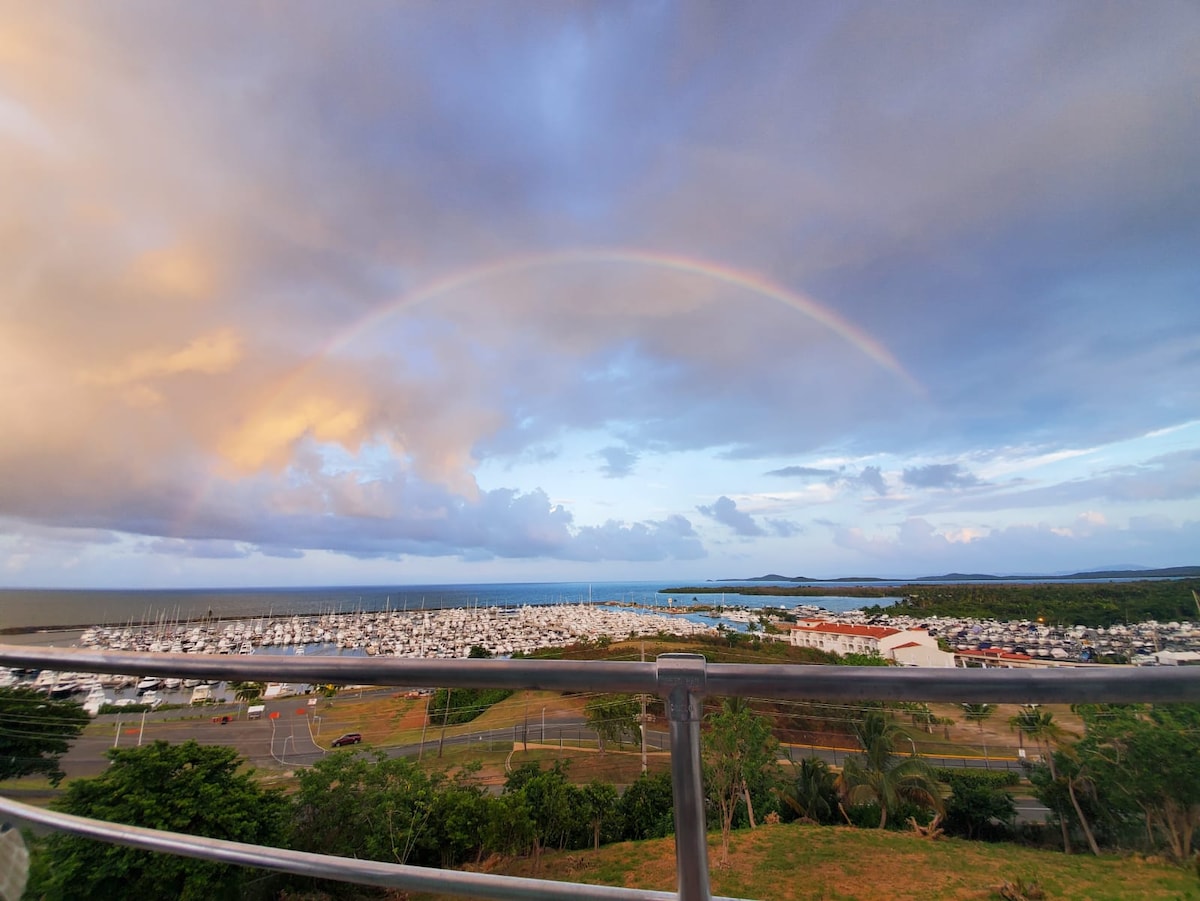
(978, 713)
(248, 691)
(1039, 725)
(812, 793)
(876, 776)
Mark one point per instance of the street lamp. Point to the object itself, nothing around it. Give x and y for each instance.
(913, 743)
(543, 725)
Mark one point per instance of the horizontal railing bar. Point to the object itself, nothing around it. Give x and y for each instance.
(325, 866)
(1108, 684)
(559, 675)
(1113, 684)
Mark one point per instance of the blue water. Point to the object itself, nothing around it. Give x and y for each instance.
(38, 608)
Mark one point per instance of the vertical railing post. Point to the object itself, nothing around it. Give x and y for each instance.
(681, 682)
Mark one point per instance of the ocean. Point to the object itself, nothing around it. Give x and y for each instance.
(67, 608)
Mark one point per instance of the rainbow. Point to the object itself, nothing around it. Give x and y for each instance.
(737, 278)
(465, 278)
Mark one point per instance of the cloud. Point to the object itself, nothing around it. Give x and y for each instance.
(669, 539)
(618, 462)
(802, 472)
(784, 528)
(204, 550)
(264, 280)
(939, 475)
(725, 511)
(1166, 477)
(872, 478)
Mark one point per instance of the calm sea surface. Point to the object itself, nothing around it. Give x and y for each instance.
(50, 608)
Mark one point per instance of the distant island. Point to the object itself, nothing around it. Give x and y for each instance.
(1095, 599)
(1171, 572)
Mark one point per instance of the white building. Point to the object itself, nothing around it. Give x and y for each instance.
(906, 647)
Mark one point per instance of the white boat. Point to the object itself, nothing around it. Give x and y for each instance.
(148, 684)
(202, 694)
(95, 700)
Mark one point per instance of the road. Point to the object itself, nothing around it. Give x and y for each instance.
(289, 736)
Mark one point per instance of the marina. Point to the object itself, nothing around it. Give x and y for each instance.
(503, 631)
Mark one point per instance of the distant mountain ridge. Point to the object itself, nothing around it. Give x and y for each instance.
(1170, 572)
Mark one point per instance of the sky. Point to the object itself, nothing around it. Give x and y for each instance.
(410, 293)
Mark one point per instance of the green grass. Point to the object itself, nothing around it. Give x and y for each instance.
(794, 862)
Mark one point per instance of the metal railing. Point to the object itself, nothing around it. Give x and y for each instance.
(682, 680)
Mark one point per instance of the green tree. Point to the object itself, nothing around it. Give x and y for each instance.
(1147, 759)
(35, 732)
(549, 798)
(508, 826)
(811, 793)
(192, 788)
(876, 776)
(248, 691)
(975, 804)
(647, 808)
(1038, 725)
(614, 718)
(977, 713)
(600, 804)
(458, 817)
(354, 806)
(739, 755)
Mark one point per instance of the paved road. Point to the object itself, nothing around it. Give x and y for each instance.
(297, 738)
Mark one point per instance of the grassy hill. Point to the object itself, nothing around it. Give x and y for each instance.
(805, 863)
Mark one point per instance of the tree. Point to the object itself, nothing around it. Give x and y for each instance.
(977, 713)
(600, 802)
(248, 691)
(614, 718)
(1147, 759)
(356, 806)
(459, 816)
(508, 828)
(739, 754)
(812, 792)
(1039, 725)
(975, 803)
(548, 796)
(192, 788)
(35, 732)
(877, 777)
(647, 808)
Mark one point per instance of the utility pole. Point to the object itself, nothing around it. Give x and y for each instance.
(424, 724)
(445, 719)
(643, 719)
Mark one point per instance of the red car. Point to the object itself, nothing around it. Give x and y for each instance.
(350, 738)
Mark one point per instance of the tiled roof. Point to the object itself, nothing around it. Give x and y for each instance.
(876, 632)
(994, 654)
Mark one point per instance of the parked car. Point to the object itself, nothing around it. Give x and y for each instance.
(350, 738)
